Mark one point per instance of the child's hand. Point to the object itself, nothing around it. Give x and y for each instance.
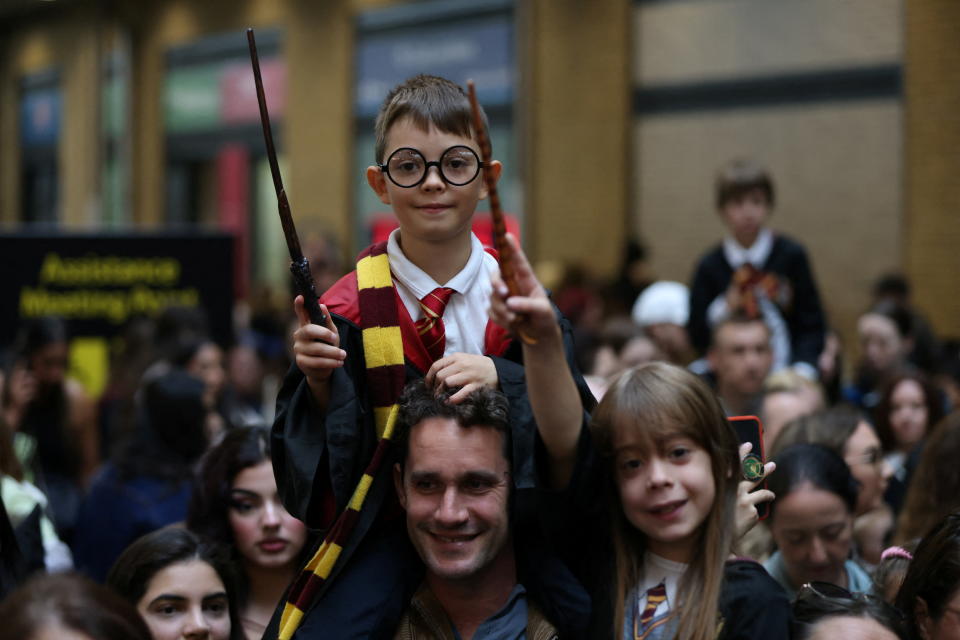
(465, 370)
(530, 310)
(746, 516)
(316, 349)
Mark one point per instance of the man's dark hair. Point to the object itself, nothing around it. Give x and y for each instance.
(738, 316)
(426, 100)
(897, 314)
(739, 177)
(483, 408)
(892, 285)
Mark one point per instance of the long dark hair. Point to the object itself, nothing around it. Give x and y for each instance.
(934, 573)
(131, 574)
(169, 436)
(935, 489)
(73, 602)
(207, 515)
(240, 449)
(931, 399)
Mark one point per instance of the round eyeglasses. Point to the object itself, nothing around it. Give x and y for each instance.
(406, 167)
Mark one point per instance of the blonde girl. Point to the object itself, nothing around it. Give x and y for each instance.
(655, 550)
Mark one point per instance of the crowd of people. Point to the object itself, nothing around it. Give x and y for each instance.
(450, 457)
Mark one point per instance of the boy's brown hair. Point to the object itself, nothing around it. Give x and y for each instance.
(740, 176)
(426, 100)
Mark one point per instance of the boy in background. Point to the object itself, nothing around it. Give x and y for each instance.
(759, 272)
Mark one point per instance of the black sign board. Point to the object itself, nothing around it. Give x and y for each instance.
(97, 282)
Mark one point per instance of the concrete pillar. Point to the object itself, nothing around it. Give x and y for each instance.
(317, 135)
(575, 107)
(932, 160)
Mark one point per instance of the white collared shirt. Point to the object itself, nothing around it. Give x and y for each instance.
(465, 317)
(756, 255)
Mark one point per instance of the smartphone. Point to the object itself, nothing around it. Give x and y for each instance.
(749, 429)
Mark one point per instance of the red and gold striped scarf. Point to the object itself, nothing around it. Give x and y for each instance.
(383, 351)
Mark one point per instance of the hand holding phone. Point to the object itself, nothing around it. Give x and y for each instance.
(753, 463)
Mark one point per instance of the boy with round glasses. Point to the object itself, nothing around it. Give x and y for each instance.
(415, 307)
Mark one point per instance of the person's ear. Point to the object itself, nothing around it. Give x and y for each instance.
(922, 615)
(378, 182)
(398, 483)
(495, 169)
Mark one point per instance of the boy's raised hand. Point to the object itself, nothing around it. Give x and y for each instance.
(316, 349)
(530, 310)
(466, 370)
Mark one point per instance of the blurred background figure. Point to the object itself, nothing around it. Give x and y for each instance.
(930, 594)
(662, 310)
(894, 289)
(910, 406)
(182, 586)
(632, 278)
(787, 395)
(236, 504)
(148, 484)
(69, 607)
(56, 416)
(886, 339)
(740, 358)
(28, 510)
(934, 490)
(758, 272)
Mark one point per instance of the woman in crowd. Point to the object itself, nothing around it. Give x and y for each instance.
(27, 508)
(71, 607)
(909, 406)
(935, 489)
(182, 585)
(930, 594)
(236, 504)
(811, 520)
(886, 339)
(148, 485)
(42, 403)
(846, 431)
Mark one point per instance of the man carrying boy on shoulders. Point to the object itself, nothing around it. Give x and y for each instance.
(415, 307)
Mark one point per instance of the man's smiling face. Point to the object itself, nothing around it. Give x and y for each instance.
(455, 487)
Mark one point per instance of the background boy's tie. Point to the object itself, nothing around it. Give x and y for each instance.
(430, 326)
(655, 596)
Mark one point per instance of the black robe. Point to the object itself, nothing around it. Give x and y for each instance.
(318, 459)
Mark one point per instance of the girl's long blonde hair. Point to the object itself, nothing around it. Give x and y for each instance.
(659, 400)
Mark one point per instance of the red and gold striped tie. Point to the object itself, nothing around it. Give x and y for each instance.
(430, 326)
(655, 596)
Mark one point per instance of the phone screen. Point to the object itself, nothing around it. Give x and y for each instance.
(749, 429)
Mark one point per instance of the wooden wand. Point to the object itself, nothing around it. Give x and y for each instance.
(299, 266)
(504, 249)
